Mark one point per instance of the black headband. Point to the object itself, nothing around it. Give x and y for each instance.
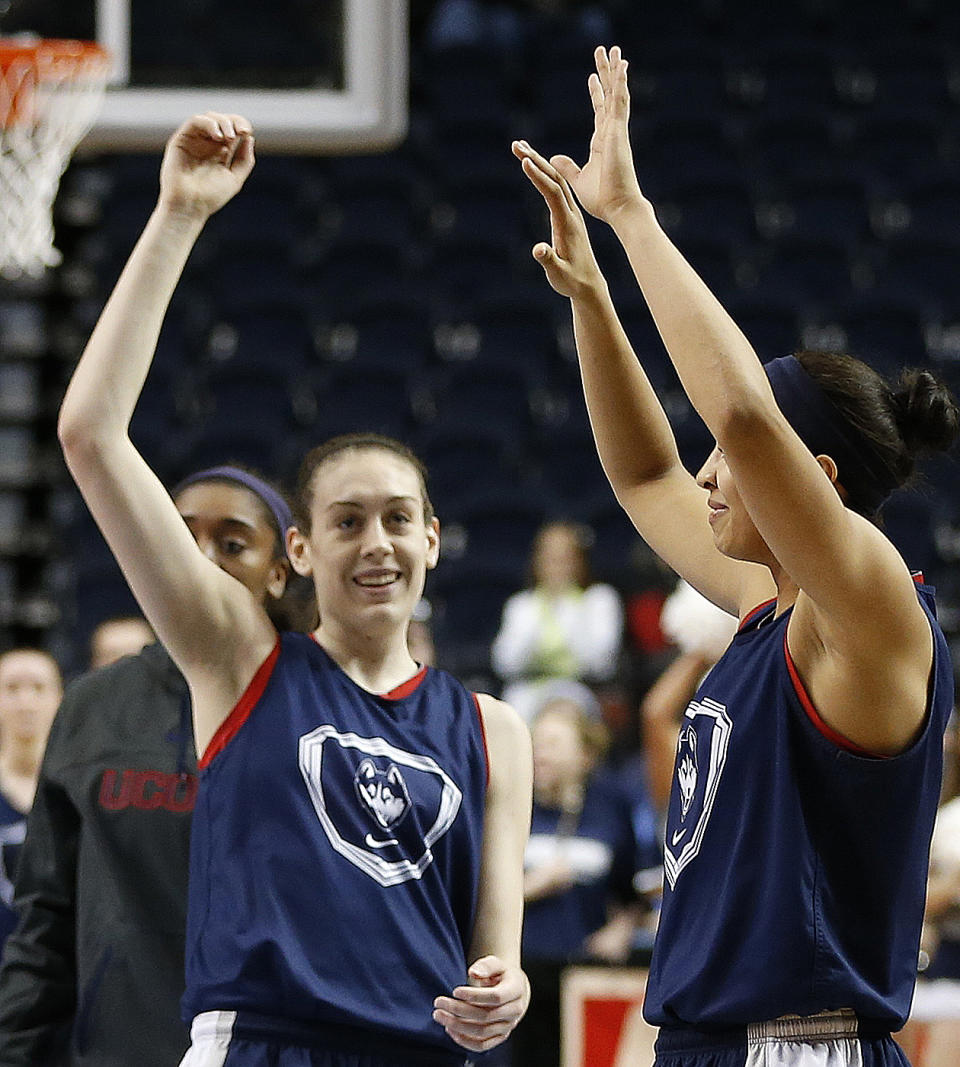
(825, 431)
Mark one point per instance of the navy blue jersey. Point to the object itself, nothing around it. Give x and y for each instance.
(335, 851)
(13, 829)
(599, 850)
(795, 865)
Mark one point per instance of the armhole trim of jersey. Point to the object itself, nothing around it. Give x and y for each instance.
(230, 727)
(483, 735)
(814, 716)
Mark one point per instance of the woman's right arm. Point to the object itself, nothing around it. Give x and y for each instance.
(634, 438)
(198, 611)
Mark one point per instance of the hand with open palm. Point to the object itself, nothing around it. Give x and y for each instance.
(607, 182)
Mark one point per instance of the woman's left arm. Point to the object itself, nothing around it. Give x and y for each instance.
(481, 1015)
(859, 637)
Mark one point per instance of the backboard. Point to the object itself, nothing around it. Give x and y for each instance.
(313, 76)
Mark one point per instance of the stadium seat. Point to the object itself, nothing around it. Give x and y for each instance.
(495, 394)
(886, 334)
(351, 398)
(804, 271)
(463, 462)
(824, 207)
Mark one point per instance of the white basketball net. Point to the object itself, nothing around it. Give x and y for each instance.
(50, 93)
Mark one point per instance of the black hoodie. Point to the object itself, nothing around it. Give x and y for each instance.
(93, 972)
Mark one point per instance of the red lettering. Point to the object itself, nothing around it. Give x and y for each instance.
(109, 797)
(148, 791)
(181, 793)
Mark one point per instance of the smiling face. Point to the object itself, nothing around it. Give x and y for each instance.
(733, 530)
(370, 542)
(234, 529)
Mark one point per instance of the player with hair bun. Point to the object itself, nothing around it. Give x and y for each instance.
(809, 761)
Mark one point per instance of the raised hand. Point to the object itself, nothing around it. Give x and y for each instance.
(568, 260)
(482, 1015)
(206, 162)
(607, 182)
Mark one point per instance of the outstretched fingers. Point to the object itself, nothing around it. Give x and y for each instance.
(610, 82)
(547, 178)
(597, 97)
(620, 91)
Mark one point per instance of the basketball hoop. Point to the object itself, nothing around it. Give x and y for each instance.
(50, 93)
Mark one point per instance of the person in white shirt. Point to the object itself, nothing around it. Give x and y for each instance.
(563, 626)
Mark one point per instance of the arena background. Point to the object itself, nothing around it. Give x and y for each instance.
(805, 156)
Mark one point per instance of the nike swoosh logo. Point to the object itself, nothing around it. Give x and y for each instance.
(374, 843)
(676, 837)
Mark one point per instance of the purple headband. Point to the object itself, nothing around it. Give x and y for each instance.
(825, 431)
(278, 507)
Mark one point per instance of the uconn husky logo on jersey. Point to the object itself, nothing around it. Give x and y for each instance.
(701, 755)
(381, 808)
(385, 796)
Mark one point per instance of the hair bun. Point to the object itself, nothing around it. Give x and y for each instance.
(926, 412)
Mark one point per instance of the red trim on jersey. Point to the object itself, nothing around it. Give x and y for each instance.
(814, 716)
(483, 734)
(917, 576)
(404, 689)
(752, 614)
(231, 725)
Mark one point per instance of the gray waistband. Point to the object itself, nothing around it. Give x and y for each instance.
(823, 1026)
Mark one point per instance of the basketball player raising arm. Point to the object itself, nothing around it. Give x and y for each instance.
(369, 901)
(821, 725)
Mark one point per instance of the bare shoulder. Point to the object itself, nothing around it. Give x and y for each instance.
(508, 737)
(876, 592)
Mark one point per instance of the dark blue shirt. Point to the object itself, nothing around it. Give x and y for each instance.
(335, 852)
(599, 847)
(13, 827)
(795, 868)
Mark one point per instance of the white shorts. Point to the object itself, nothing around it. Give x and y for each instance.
(830, 1039)
(210, 1037)
(224, 1039)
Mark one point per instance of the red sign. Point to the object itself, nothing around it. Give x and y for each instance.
(602, 1024)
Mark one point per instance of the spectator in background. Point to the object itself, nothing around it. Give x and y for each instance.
(578, 868)
(700, 631)
(563, 626)
(30, 689)
(122, 635)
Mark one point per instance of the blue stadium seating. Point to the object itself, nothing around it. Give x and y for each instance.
(803, 157)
